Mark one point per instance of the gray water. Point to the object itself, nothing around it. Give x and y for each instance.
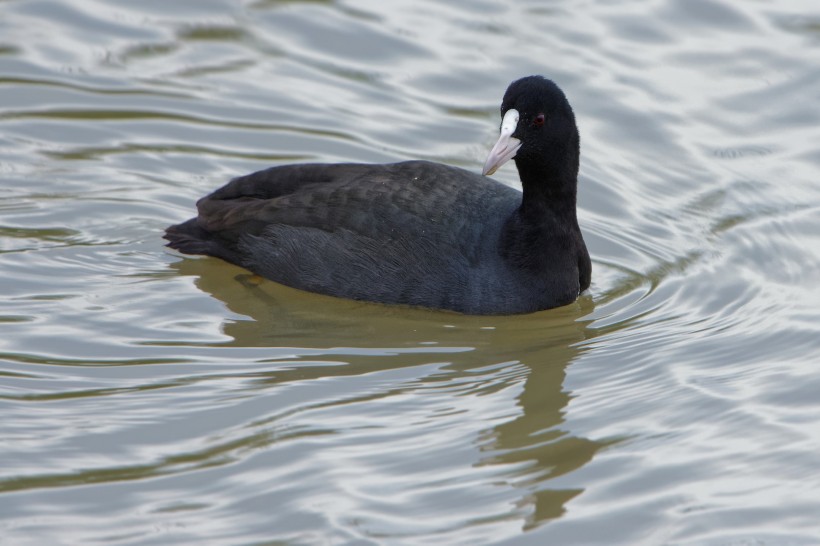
(147, 398)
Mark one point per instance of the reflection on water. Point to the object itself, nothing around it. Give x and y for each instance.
(531, 444)
(149, 398)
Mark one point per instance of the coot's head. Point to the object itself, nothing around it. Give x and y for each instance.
(538, 130)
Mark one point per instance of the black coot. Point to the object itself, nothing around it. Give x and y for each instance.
(416, 233)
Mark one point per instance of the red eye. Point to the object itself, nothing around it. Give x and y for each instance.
(538, 120)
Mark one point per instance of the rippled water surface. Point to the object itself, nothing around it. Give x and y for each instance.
(148, 398)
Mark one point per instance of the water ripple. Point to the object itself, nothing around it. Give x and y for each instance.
(150, 398)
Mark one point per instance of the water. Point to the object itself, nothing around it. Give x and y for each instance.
(151, 399)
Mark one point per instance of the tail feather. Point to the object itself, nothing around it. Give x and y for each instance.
(190, 238)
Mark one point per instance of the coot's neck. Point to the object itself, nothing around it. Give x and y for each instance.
(546, 222)
(549, 191)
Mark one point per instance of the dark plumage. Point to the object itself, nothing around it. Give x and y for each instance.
(416, 233)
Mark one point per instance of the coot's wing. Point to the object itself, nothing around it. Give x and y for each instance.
(410, 232)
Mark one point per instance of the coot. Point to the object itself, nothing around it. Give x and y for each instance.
(416, 233)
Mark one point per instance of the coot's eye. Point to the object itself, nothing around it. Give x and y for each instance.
(538, 120)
